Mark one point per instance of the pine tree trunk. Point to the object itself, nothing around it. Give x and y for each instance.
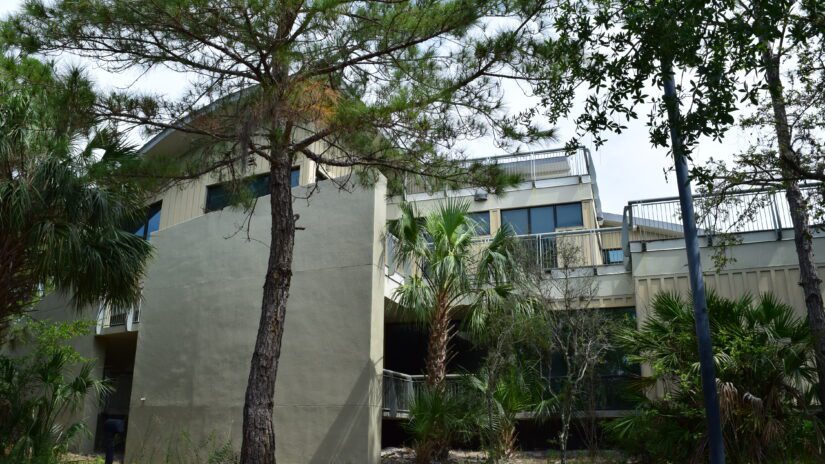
(258, 446)
(808, 275)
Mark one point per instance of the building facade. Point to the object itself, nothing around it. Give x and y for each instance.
(179, 360)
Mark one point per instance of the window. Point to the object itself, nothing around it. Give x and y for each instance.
(542, 219)
(319, 175)
(569, 215)
(613, 255)
(151, 224)
(482, 222)
(218, 196)
(517, 219)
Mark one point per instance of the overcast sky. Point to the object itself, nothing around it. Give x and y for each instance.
(628, 168)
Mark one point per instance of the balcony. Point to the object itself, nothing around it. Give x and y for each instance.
(757, 212)
(595, 247)
(111, 320)
(532, 167)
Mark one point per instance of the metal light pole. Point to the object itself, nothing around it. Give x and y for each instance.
(697, 281)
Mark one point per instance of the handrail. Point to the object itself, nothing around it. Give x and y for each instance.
(532, 165)
(742, 211)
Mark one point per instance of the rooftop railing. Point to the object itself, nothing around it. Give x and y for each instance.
(530, 166)
(740, 212)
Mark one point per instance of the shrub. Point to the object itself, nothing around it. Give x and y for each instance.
(39, 390)
(765, 378)
(439, 418)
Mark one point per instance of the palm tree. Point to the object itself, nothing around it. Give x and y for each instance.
(61, 213)
(765, 377)
(451, 271)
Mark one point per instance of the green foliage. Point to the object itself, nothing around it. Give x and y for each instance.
(765, 376)
(61, 216)
(501, 391)
(440, 418)
(451, 269)
(39, 390)
(391, 85)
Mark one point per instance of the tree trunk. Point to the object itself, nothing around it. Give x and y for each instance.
(808, 276)
(437, 348)
(258, 446)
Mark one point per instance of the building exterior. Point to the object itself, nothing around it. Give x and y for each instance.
(180, 360)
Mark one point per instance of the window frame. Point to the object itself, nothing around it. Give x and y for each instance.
(555, 206)
(294, 182)
(488, 229)
(150, 212)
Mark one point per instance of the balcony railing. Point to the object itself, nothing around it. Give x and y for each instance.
(108, 316)
(531, 166)
(399, 391)
(593, 247)
(740, 212)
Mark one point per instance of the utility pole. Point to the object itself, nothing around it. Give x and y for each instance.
(697, 281)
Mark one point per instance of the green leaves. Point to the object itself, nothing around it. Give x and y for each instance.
(765, 369)
(40, 389)
(61, 213)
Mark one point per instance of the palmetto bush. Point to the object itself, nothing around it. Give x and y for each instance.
(40, 390)
(765, 378)
(440, 417)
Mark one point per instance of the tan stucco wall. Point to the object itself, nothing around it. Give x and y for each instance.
(763, 266)
(188, 200)
(200, 316)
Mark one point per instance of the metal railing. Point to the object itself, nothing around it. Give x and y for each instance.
(592, 247)
(530, 166)
(740, 212)
(108, 316)
(399, 391)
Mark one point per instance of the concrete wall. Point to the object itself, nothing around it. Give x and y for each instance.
(200, 316)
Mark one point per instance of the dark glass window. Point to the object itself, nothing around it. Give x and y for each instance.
(482, 222)
(569, 215)
(542, 219)
(218, 195)
(517, 219)
(151, 224)
(319, 175)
